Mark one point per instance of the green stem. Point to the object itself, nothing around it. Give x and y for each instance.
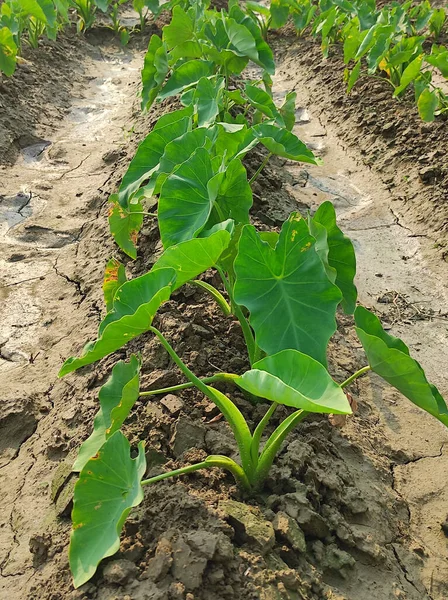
(228, 377)
(236, 309)
(143, 213)
(256, 438)
(355, 376)
(222, 302)
(260, 168)
(222, 462)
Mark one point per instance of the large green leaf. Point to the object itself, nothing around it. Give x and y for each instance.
(180, 30)
(292, 302)
(108, 487)
(389, 357)
(265, 56)
(284, 143)
(186, 75)
(263, 102)
(154, 71)
(192, 257)
(135, 305)
(124, 224)
(117, 397)
(8, 52)
(114, 277)
(427, 105)
(187, 198)
(341, 254)
(207, 99)
(235, 194)
(150, 151)
(295, 379)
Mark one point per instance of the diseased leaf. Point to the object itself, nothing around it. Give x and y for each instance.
(114, 277)
(292, 302)
(389, 357)
(295, 379)
(8, 52)
(107, 489)
(187, 198)
(341, 254)
(135, 305)
(284, 143)
(117, 397)
(192, 257)
(125, 223)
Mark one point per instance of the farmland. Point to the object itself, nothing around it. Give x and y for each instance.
(224, 250)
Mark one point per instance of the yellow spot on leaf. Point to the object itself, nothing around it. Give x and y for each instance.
(306, 247)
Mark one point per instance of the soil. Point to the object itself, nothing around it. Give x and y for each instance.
(351, 510)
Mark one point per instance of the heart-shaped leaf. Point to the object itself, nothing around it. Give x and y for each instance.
(114, 277)
(181, 29)
(191, 258)
(186, 75)
(186, 199)
(117, 397)
(389, 357)
(265, 57)
(108, 487)
(284, 143)
(8, 52)
(292, 302)
(341, 254)
(124, 224)
(150, 151)
(295, 379)
(207, 100)
(155, 69)
(235, 194)
(263, 102)
(135, 305)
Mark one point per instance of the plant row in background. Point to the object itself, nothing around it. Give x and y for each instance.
(26, 21)
(399, 42)
(284, 287)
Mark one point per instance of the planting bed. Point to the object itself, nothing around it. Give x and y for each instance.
(368, 491)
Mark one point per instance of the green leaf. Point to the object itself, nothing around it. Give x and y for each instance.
(341, 254)
(207, 100)
(187, 198)
(179, 30)
(235, 194)
(295, 379)
(427, 105)
(186, 75)
(154, 71)
(284, 143)
(114, 277)
(117, 397)
(389, 357)
(108, 487)
(263, 102)
(32, 8)
(8, 52)
(124, 225)
(354, 76)
(265, 56)
(135, 305)
(292, 302)
(150, 151)
(288, 110)
(279, 14)
(409, 74)
(191, 258)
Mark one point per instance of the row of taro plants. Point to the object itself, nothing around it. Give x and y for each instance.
(398, 42)
(284, 287)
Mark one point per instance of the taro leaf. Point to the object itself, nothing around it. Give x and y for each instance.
(288, 110)
(279, 14)
(180, 29)
(188, 74)
(389, 357)
(295, 379)
(233, 144)
(284, 143)
(354, 76)
(125, 223)
(427, 104)
(292, 302)
(409, 74)
(150, 151)
(117, 397)
(154, 71)
(263, 102)
(191, 258)
(207, 100)
(187, 198)
(265, 56)
(114, 277)
(135, 305)
(108, 487)
(241, 39)
(341, 254)
(235, 194)
(8, 52)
